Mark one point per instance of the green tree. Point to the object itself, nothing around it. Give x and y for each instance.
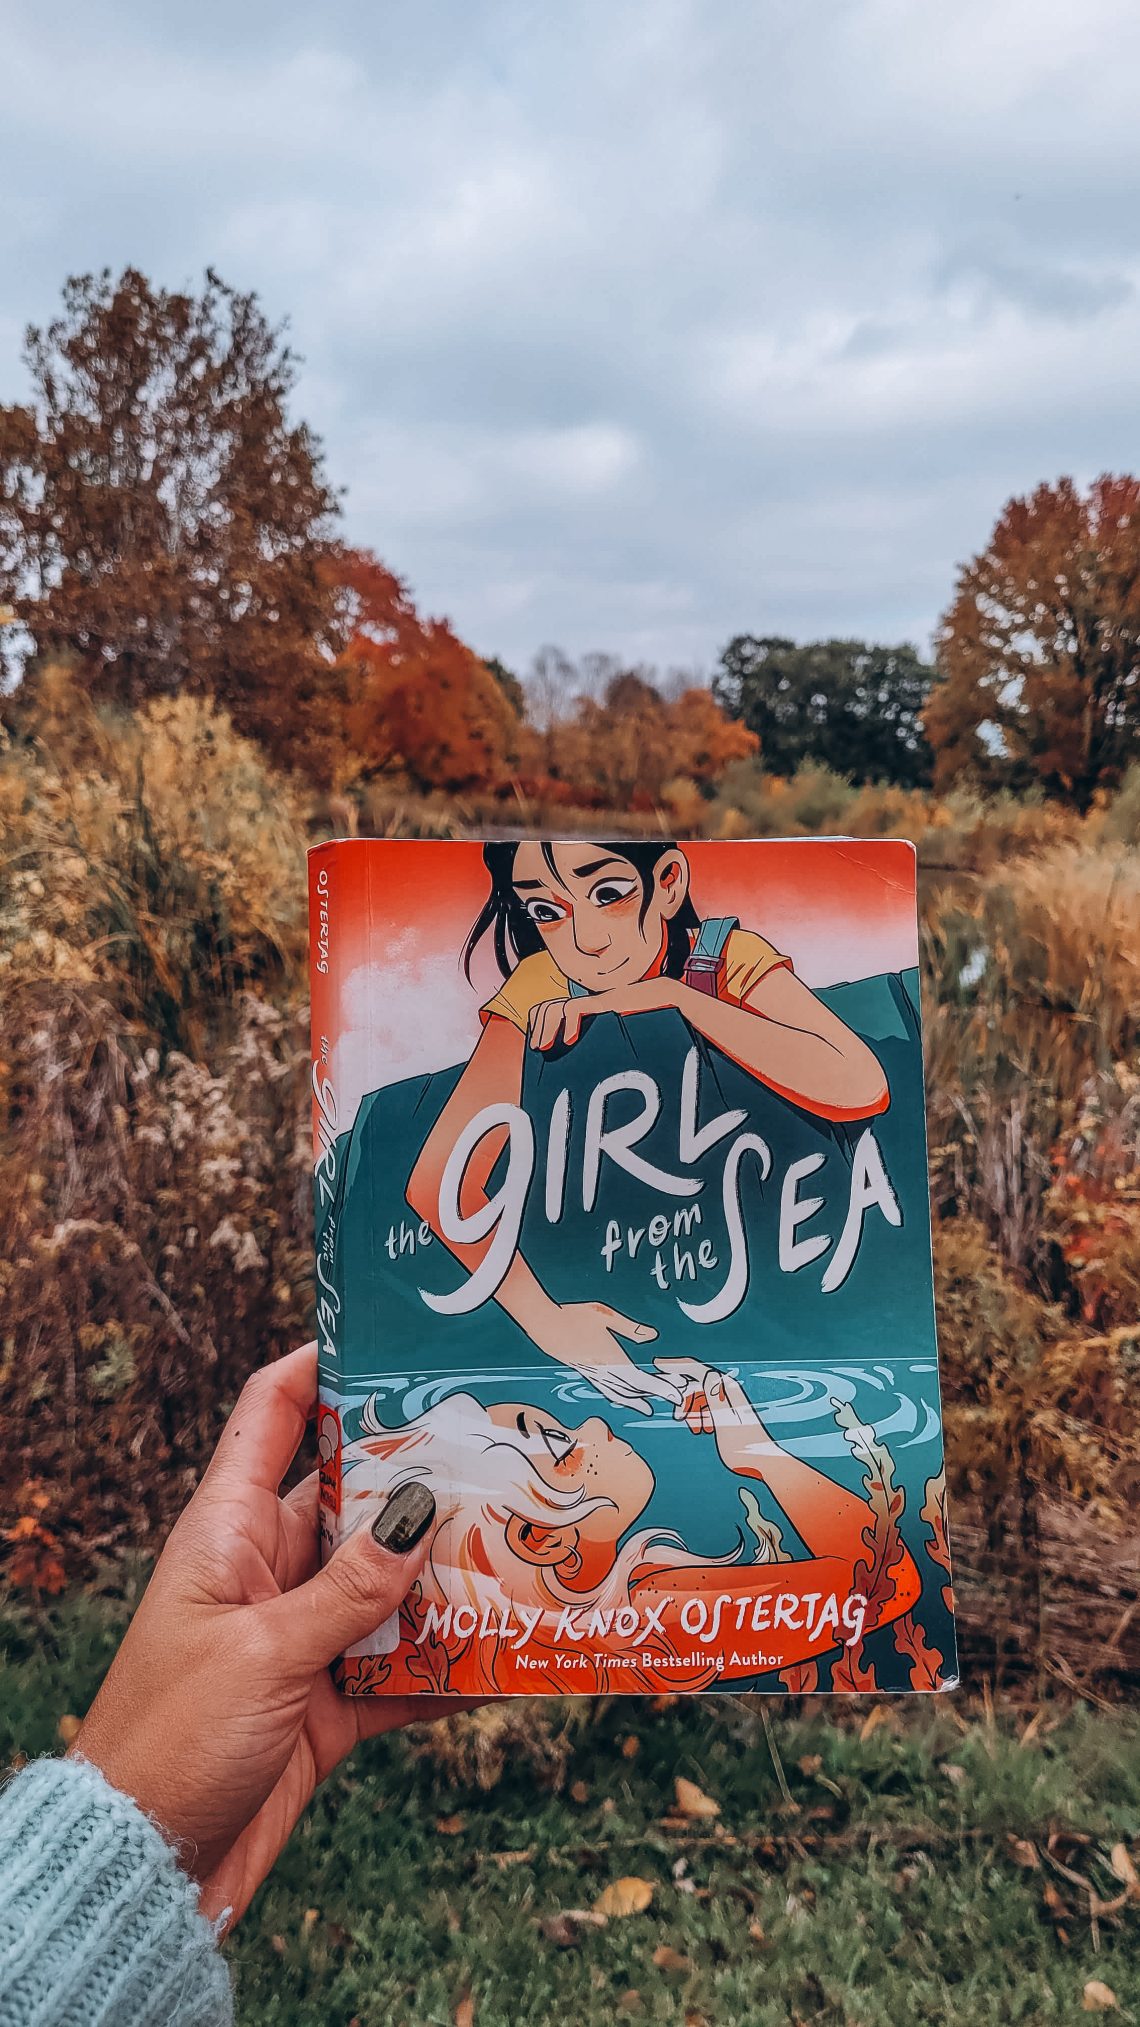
(162, 520)
(1039, 653)
(850, 706)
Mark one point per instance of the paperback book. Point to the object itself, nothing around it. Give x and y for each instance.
(623, 1252)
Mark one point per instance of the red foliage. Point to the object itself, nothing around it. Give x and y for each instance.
(416, 699)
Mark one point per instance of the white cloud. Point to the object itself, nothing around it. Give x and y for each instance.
(629, 326)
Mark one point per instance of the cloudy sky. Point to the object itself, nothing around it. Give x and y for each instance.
(628, 324)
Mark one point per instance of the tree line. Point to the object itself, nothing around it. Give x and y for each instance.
(166, 526)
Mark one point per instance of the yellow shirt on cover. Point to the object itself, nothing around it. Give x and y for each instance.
(747, 958)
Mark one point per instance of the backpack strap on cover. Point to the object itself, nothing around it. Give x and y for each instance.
(705, 966)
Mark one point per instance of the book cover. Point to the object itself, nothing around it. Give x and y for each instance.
(623, 1249)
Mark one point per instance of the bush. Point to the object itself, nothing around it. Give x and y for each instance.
(750, 803)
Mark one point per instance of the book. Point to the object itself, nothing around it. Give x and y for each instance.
(623, 1251)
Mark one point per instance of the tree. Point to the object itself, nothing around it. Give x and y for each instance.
(509, 684)
(1039, 654)
(416, 699)
(624, 748)
(162, 522)
(853, 707)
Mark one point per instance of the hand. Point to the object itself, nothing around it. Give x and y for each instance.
(560, 1020)
(713, 1403)
(585, 1335)
(691, 1379)
(218, 1714)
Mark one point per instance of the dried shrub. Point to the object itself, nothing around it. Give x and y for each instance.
(1092, 1211)
(157, 856)
(156, 1220)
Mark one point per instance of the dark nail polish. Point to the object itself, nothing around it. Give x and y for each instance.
(404, 1519)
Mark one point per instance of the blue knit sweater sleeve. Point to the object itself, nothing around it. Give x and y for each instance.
(98, 1925)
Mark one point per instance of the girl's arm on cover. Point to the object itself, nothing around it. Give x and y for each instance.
(788, 1039)
(831, 1522)
(780, 1033)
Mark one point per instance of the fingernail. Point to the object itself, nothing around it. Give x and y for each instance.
(404, 1519)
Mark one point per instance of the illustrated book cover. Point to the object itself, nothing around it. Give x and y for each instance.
(623, 1251)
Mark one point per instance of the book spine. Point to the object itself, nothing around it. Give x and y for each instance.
(328, 1153)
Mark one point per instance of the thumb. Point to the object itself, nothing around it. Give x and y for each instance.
(627, 1326)
(360, 1587)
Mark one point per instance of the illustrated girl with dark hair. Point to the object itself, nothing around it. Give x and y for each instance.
(585, 929)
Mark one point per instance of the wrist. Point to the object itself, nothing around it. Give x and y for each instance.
(100, 1896)
(537, 1313)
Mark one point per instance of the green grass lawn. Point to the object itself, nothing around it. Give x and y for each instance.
(928, 1871)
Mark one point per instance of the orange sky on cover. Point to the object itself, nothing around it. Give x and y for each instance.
(396, 1002)
(812, 898)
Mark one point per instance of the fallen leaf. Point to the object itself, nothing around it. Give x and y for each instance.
(465, 2011)
(1098, 1998)
(277, 1943)
(69, 1729)
(631, 2002)
(450, 1826)
(608, 1806)
(1125, 1870)
(310, 1918)
(630, 1747)
(1024, 1853)
(810, 1764)
(875, 1717)
(562, 1930)
(579, 1791)
(692, 1801)
(668, 1959)
(954, 1773)
(624, 1896)
(695, 2019)
(588, 1915)
(757, 1933)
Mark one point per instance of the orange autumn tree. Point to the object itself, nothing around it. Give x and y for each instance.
(706, 741)
(635, 748)
(417, 700)
(1039, 654)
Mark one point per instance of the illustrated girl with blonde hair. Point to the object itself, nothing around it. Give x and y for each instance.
(585, 929)
(543, 1519)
